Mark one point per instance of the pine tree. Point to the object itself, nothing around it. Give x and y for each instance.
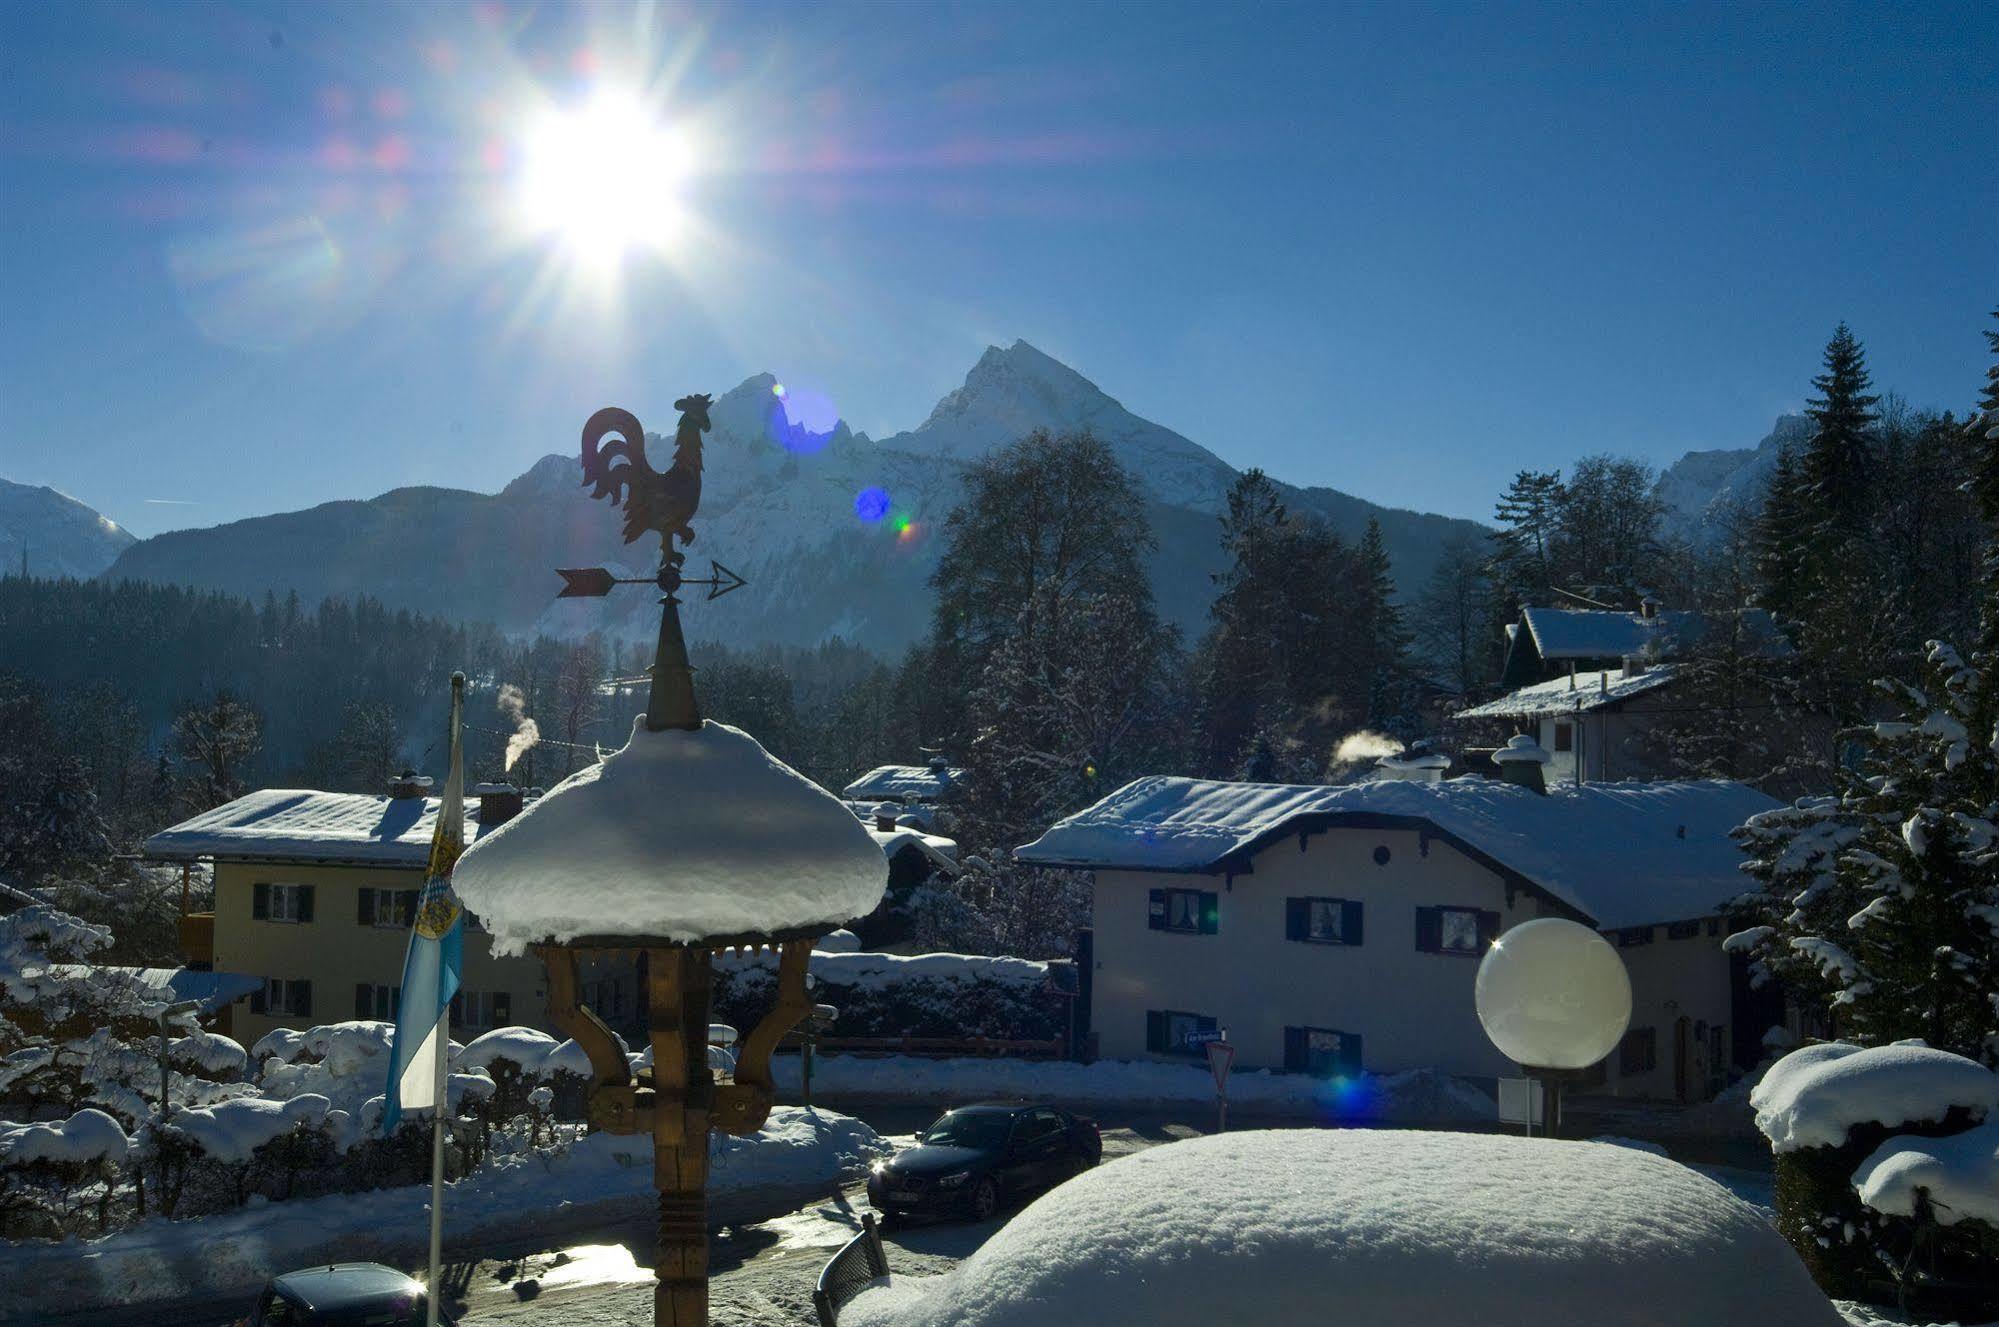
(1839, 459)
(1882, 902)
(1382, 639)
(1452, 622)
(1984, 430)
(1524, 548)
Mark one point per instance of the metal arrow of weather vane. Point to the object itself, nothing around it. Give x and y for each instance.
(663, 502)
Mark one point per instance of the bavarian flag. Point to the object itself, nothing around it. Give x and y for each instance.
(436, 952)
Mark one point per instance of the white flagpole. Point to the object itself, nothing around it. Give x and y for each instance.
(438, 1110)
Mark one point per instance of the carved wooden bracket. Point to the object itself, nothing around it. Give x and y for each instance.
(742, 1107)
(616, 1103)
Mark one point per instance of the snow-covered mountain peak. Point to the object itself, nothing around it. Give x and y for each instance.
(61, 536)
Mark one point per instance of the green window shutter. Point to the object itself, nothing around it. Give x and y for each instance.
(305, 903)
(260, 902)
(1350, 921)
(1429, 930)
(260, 999)
(364, 1000)
(302, 998)
(1350, 1054)
(503, 1009)
(1155, 916)
(1488, 928)
(1294, 1049)
(1211, 913)
(1155, 1030)
(365, 913)
(1296, 927)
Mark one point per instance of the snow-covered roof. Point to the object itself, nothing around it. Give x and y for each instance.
(903, 783)
(681, 835)
(1620, 854)
(1814, 1095)
(1590, 633)
(1588, 691)
(941, 852)
(300, 824)
(214, 990)
(1377, 1226)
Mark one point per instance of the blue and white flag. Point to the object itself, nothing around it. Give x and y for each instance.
(436, 952)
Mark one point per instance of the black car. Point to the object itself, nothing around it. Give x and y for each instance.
(974, 1157)
(348, 1294)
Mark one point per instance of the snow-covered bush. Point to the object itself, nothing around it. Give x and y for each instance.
(925, 995)
(46, 1166)
(1867, 1148)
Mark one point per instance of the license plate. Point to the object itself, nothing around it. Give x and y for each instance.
(902, 1195)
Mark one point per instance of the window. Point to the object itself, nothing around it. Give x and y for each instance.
(388, 907)
(1173, 1032)
(1683, 930)
(1636, 935)
(482, 1009)
(377, 1002)
(281, 903)
(1193, 911)
(1381, 854)
(283, 998)
(607, 997)
(1325, 921)
(1455, 930)
(1565, 737)
(1322, 1052)
(1638, 1052)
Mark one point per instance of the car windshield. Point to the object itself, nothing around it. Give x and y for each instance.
(406, 1314)
(969, 1128)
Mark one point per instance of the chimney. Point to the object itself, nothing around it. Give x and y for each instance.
(409, 784)
(885, 814)
(1414, 766)
(1634, 665)
(1520, 761)
(1648, 608)
(498, 802)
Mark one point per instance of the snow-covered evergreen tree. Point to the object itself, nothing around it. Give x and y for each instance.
(1882, 903)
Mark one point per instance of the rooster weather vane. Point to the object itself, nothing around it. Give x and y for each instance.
(663, 502)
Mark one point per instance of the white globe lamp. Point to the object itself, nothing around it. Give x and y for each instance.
(1554, 997)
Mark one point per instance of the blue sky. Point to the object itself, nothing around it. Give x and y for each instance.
(255, 257)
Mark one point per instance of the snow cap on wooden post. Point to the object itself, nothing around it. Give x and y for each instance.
(683, 836)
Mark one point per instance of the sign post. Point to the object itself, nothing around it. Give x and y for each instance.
(1221, 1058)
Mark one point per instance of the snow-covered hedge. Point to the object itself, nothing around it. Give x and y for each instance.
(922, 995)
(1885, 1174)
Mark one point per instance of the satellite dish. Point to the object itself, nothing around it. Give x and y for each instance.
(1553, 994)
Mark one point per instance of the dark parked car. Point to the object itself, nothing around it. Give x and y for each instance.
(348, 1294)
(975, 1157)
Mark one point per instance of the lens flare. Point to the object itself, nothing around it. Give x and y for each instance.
(1348, 1100)
(871, 504)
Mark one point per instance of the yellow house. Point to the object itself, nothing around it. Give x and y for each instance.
(314, 893)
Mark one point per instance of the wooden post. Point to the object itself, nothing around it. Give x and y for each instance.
(678, 990)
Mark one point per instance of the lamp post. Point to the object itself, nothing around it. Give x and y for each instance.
(1554, 997)
(639, 843)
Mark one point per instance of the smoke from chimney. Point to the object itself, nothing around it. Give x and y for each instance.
(1365, 745)
(513, 703)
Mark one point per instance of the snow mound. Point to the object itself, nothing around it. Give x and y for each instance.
(526, 1047)
(682, 835)
(1959, 1174)
(210, 1052)
(88, 1135)
(1814, 1095)
(231, 1130)
(1376, 1227)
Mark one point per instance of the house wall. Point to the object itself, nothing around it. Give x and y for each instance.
(335, 951)
(1680, 990)
(1412, 1009)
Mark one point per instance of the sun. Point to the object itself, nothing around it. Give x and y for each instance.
(606, 178)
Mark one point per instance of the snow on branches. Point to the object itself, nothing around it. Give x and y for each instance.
(1880, 904)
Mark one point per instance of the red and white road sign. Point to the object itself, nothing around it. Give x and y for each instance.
(1221, 1058)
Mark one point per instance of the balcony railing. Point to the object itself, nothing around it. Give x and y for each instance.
(197, 939)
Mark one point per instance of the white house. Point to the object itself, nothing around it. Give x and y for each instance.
(1335, 929)
(1591, 724)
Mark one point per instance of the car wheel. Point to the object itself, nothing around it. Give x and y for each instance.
(888, 1219)
(985, 1199)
